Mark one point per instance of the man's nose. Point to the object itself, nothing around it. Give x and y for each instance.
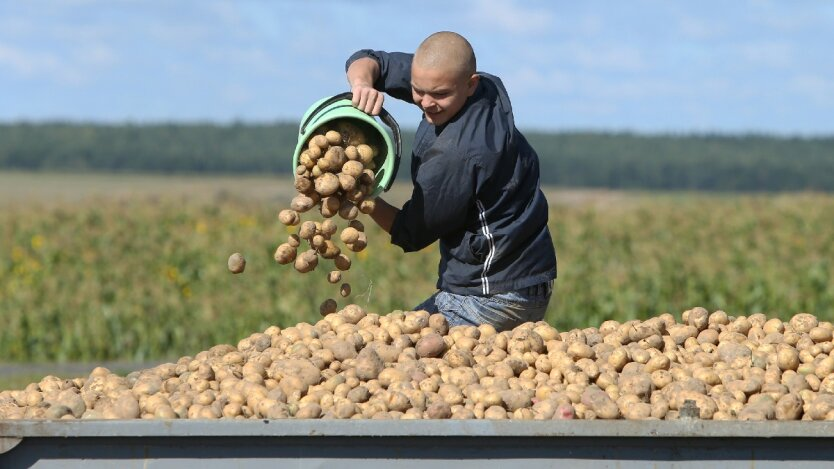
(427, 102)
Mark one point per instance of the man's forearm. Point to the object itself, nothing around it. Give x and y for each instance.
(363, 72)
(384, 214)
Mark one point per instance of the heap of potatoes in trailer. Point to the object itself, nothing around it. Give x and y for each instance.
(335, 173)
(411, 365)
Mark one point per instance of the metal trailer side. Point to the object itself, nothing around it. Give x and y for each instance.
(384, 443)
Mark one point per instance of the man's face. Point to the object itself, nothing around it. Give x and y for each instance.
(440, 93)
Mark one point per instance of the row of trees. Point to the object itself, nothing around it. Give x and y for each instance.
(572, 159)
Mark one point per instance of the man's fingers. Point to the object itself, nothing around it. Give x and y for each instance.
(363, 99)
(368, 105)
(368, 100)
(377, 105)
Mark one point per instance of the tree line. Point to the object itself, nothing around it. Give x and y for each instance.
(750, 162)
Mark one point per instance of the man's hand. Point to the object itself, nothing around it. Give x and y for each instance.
(367, 99)
(361, 76)
(384, 214)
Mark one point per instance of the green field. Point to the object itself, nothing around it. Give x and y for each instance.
(102, 267)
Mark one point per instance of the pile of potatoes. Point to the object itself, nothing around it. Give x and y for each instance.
(411, 365)
(335, 173)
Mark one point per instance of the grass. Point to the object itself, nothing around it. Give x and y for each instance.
(133, 267)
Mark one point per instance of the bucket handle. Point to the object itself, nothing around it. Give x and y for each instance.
(384, 116)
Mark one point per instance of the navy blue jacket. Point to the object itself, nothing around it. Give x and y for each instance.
(476, 189)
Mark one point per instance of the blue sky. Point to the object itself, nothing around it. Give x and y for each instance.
(645, 66)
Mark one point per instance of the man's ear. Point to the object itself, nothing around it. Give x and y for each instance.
(472, 84)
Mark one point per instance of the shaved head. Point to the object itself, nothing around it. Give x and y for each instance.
(446, 50)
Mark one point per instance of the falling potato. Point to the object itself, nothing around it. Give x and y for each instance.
(328, 307)
(236, 263)
(344, 290)
(333, 176)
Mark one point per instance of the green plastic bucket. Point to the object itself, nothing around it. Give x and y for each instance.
(341, 107)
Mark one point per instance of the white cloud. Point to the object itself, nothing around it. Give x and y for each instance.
(789, 18)
(95, 55)
(609, 56)
(178, 33)
(768, 53)
(526, 81)
(575, 55)
(249, 58)
(15, 27)
(26, 63)
(697, 28)
(236, 94)
(817, 88)
(510, 17)
(77, 69)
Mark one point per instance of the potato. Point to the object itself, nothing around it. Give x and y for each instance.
(349, 235)
(787, 357)
(319, 141)
(327, 164)
(367, 206)
(351, 152)
(366, 153)
(334, 276)
(820, 334)
(333, 137)
(347, 183)
(368, 364)
(352, 133)
(367, 178)
(309, 411)
(288, 217)
(307, 230)
(699, 318)
(357, 195)
(411, 365)
(440, 410)
(329, 250)
(303, 184)
(353, 313)
(336, 156)
(307, 162)
(802, 323)
(307, 261)
(326, 184)
(516, 399)
(356, 225)
(330, 206)
(344, 290)
(236, 263)
(637, 411)
(317, 241)
(285, 254)
(602, 405)
(348, 210)
(360, 244)
(301, 203)
(342, 262)
(789, 407)
(352, 168)
(430, 346)
(328, 228)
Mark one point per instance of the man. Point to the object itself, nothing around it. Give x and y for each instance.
(476, 183)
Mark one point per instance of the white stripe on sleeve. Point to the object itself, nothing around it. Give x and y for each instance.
(488, 234)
